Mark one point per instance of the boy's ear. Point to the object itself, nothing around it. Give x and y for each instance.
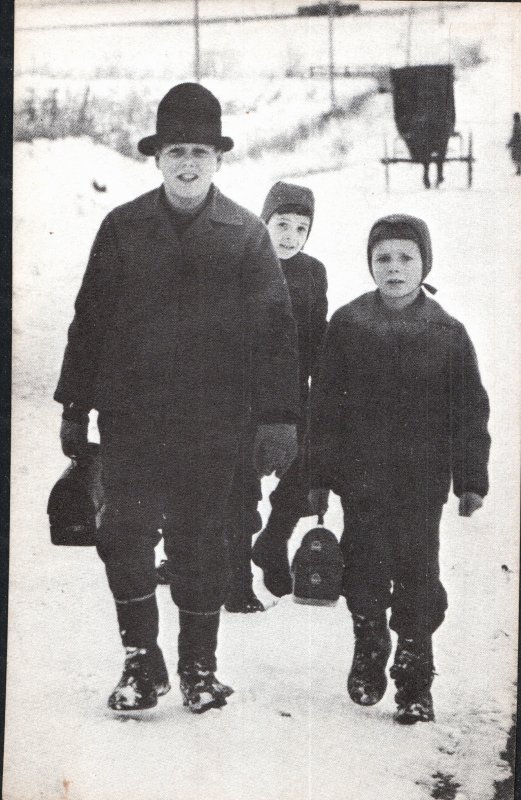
(156, 158)
(219, 160)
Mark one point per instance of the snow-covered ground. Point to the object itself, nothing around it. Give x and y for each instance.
(290, 731)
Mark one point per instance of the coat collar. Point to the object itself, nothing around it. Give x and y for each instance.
(219, 207)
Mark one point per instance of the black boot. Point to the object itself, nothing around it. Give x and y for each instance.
(243, 602)
(144, 678)
(270, 553)
(200, 688)
(367, 682)
(413, 674)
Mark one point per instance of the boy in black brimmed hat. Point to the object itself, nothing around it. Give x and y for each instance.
(397, 412)
(182, 338)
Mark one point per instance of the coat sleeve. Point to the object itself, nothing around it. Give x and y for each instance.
(93, 307)
(470, 413)
(273, 335)
(318, 318)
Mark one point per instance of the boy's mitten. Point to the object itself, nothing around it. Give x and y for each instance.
(318, 501)
(468, 503)
(73, 435)
(274, 449)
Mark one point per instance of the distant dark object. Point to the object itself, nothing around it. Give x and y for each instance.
(423, 100)
(322, 9)
(76, 502)
(99, 187)
(505, 568)
(425, 115)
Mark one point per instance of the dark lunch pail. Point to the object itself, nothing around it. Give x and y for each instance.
(317, 569)
(75, 503)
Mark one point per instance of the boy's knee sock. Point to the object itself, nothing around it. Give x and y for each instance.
(138, 621)
(197, 641)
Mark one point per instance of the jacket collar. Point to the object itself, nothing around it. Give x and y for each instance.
(221, 209)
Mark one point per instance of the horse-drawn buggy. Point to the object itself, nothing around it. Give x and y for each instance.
(424, 112)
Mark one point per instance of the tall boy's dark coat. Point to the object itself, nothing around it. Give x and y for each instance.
(398, 407)
(199, 325)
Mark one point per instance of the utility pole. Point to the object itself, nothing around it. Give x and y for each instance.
(197, 59)
(331, 56)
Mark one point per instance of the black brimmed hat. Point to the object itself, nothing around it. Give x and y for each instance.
(187, 113)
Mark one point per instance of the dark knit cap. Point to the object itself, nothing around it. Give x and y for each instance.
(403, 226)
(284, 194)
(188, 113)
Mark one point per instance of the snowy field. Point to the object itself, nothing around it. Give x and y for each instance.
(290, 731)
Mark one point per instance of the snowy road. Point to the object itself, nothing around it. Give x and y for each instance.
(289, 732)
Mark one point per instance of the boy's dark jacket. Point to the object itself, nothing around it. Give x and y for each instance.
(198, 327)
(307, 284)
(397, 407)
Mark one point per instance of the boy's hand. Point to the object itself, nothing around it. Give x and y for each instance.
(274, 449)
(73, 436)
(468, 503)
(318, 501)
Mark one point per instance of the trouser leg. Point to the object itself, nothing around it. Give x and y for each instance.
(129, 532)
(367, 556)
(419, 600)
(194, 536)
(242, 520)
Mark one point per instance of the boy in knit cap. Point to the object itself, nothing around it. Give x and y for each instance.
(288, 212)
(397, 411)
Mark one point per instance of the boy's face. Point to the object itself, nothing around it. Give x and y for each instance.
(288, 233)
(397, 267)
(188, 171)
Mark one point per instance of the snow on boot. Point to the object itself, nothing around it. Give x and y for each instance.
(136, 690)
(367, 681)
(243, 603)
(201, 690)
(413, 673)
(270, 553)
